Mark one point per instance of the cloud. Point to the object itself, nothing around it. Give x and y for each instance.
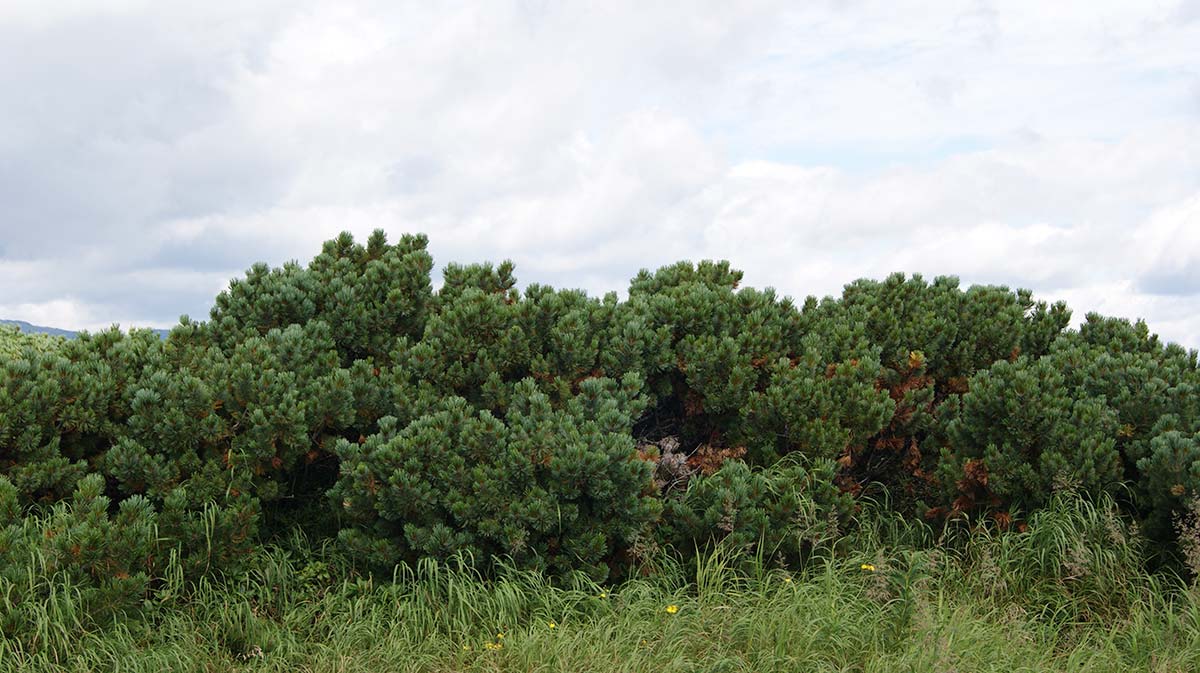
(149, 151)
(1170, 245)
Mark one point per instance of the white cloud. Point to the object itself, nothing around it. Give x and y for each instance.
(148, 150)
(1168, 244)
(66, 313)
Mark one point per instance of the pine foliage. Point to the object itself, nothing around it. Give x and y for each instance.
(566, 432)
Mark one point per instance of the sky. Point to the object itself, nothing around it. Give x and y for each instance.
(151, 151)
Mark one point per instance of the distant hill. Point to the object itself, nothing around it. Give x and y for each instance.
(28, 328)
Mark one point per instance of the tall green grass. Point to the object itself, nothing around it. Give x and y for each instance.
(1069, 593)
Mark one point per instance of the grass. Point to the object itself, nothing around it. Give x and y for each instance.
(1070, 593)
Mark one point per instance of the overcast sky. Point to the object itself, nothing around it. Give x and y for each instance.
(150, 151)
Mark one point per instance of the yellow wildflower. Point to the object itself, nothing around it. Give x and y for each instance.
(552, 625)
(787, 580)
(602, 594)
(466, 648)
(672, 609)
(500, 635)
(494, 646)
(868, 567)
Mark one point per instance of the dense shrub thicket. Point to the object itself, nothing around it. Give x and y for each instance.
(567, 432)
(13, 341)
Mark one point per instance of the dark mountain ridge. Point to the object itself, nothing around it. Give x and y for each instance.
(29, 328)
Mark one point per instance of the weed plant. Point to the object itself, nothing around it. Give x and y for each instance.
(1070, 592)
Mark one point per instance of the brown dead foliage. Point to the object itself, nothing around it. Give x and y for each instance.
(707, 458)
(973, 488)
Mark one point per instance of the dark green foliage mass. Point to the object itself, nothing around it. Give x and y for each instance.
(568, 432)
(1170, 477)
(780, 512)
(747, 369)
(545, 487)
(63, 408)
(958, 332)
(371, 295)
(927, 339)
(1024, 430)
(1106, 409)
(103, 554)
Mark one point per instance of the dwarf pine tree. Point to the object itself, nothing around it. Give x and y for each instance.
(555, 488)
(1020, 434)
(104, 553)
(569, 432)
(13, 342)
(930, 339)
(369, 295)
(60, 410)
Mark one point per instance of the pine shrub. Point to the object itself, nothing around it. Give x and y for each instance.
(567, 432)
